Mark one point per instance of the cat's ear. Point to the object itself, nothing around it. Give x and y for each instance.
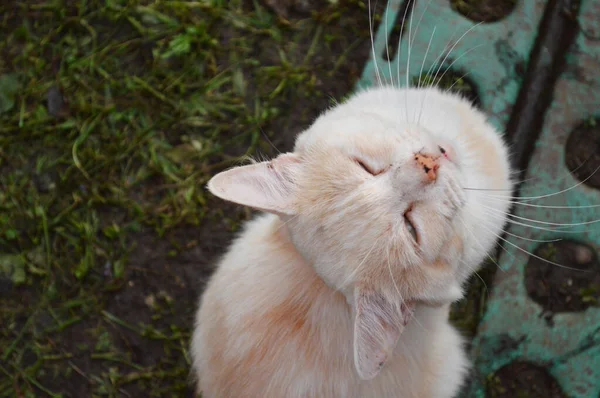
(377, 327)
(266, 186)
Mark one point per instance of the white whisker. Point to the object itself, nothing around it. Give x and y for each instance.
(387, 44)
(441, 65)
(530, 198)
(408, 62)
(452, 48)
(532, 254)
(425, 57)
(392, 275)
(449, 89)
(453, 62)
(514, 222)
(414, 38)
(476, 273)
(542, 222)
(373, 46)
(478, 243)
(522, 237)
(353, 273)
(399, 51)
(543, 206)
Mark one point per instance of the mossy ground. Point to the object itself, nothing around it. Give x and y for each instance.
(113, 116)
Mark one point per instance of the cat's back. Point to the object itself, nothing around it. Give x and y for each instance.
(257, 320)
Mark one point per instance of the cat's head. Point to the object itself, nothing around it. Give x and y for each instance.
(374, 204)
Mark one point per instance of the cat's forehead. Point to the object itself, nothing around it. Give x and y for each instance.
(360, 131)
(362, 139)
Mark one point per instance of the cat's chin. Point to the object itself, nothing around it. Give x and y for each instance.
(452, 294)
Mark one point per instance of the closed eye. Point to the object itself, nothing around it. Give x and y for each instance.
(410, 226)
(366, 168)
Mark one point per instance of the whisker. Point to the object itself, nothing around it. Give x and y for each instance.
(522, 237)
(435, 62)
(444, 50)
(387, 44)
(556, 230)
(353, 273)
(532, 254)
(541, 222)
(453, 62)
(400, 37)
(373, 46)
(564, 190)
(449, 89)
(452, 48)
(543, 206)
(531, 240)
(418, 26)
(412, 14)
(269, 140)
(526, 179)
(408, 6)
(392, 275)
(530, 198)
(479, 243)
(425, 57)
(476, 273)
(288, 221)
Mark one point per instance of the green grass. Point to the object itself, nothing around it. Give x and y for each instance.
(113, 116)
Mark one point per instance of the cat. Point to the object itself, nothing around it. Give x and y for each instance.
(342, 286)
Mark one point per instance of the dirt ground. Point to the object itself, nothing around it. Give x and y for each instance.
(113, 116)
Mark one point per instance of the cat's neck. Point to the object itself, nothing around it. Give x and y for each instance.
(307, 289)
(304, 305)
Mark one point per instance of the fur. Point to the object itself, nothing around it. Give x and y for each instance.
(329, 294)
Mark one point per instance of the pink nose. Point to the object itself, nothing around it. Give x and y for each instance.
(429, 164)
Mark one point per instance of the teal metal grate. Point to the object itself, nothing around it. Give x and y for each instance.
(494, 56)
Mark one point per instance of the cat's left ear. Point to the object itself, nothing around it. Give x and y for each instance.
(377, 327)
(266, 186)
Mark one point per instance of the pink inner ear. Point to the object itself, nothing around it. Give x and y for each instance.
(267, 186)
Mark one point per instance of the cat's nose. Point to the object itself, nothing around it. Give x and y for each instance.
(429, 164)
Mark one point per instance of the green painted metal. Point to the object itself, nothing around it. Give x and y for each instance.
(493, 56)
(570, 349)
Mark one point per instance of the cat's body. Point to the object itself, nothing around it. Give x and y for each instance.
(345, 290)
(270, 327)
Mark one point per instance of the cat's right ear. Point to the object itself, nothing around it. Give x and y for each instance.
(266, 186)
(377, 327)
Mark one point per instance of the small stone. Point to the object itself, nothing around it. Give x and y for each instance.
(57, 106)
(150, 301)
(583, 254)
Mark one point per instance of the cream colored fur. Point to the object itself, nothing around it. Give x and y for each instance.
(329, 295)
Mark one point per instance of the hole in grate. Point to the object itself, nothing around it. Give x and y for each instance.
(522, 379)
(582, 153)
(398, 30)
(451, 80)
(558, 289)
(483, 10)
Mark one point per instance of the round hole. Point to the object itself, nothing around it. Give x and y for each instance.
(450, 80)
(560, 289)
(522, 379)
(582, 152)
(483, 10)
